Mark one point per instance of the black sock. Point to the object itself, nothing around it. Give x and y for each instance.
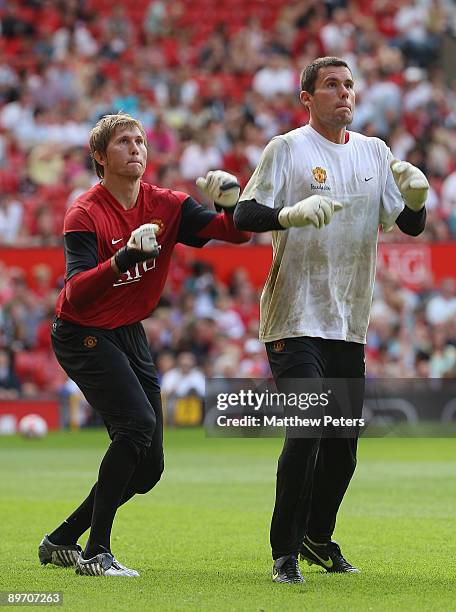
(77, 523)
(116, 470)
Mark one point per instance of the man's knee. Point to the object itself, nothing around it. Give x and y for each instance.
(138, 434)
(147, 478)
(298, 451)
(147, 424)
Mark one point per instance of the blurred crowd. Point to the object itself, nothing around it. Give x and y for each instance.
(203, 327)
(212, 83)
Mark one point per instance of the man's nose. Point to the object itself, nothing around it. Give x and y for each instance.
(344, 91)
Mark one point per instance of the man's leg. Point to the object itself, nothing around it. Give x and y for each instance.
(149, 467)
(146, 475)
(147, 472)
(98, 510)
(295, 474)
(103, 373)
(334, 469)
(336, 462)
(77, 523)
(297, 358)
(335, 466)
(116, 470)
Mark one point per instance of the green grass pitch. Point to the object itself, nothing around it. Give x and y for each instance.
(200, 539)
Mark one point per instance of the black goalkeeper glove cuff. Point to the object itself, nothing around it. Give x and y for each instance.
(228, 210)
(127, 257)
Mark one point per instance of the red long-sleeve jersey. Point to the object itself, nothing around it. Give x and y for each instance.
(96, 226)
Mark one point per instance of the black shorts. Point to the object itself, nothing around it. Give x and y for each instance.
(333, 365)
(115, 372)
(307, 357)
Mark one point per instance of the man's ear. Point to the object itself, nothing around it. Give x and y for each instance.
(99, 157)
(305, 98)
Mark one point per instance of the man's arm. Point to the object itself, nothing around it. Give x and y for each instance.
(255, 217)
(258, 211)
(314, 210)
(414, 188)
(86, 280)
(199, 225)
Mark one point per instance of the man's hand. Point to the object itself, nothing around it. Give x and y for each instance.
(221, 187)
(411, 182)
(315, 210)
(143, 238)
(141, 246)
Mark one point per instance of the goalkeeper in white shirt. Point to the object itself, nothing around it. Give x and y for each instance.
(324, 192)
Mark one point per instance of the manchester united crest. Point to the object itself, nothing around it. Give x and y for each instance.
(278, 346)
(90, 341)
(160, 224)
(319, 174)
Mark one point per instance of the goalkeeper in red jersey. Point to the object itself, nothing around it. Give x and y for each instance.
(118, 241)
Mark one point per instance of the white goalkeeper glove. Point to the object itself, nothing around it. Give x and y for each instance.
(411, 182)
(315, 210)
(143, 238)
(221, 187)
(141, 246)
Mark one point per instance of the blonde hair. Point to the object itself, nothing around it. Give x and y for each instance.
(102, 132)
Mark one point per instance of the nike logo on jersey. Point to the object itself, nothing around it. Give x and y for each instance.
(116, 241)
(368, 179)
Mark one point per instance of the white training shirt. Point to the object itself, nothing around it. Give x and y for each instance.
(321, 280)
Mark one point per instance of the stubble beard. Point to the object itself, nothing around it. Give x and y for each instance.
(343, 122)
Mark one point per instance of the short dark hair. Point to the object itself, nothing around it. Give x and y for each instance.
(310, 73)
